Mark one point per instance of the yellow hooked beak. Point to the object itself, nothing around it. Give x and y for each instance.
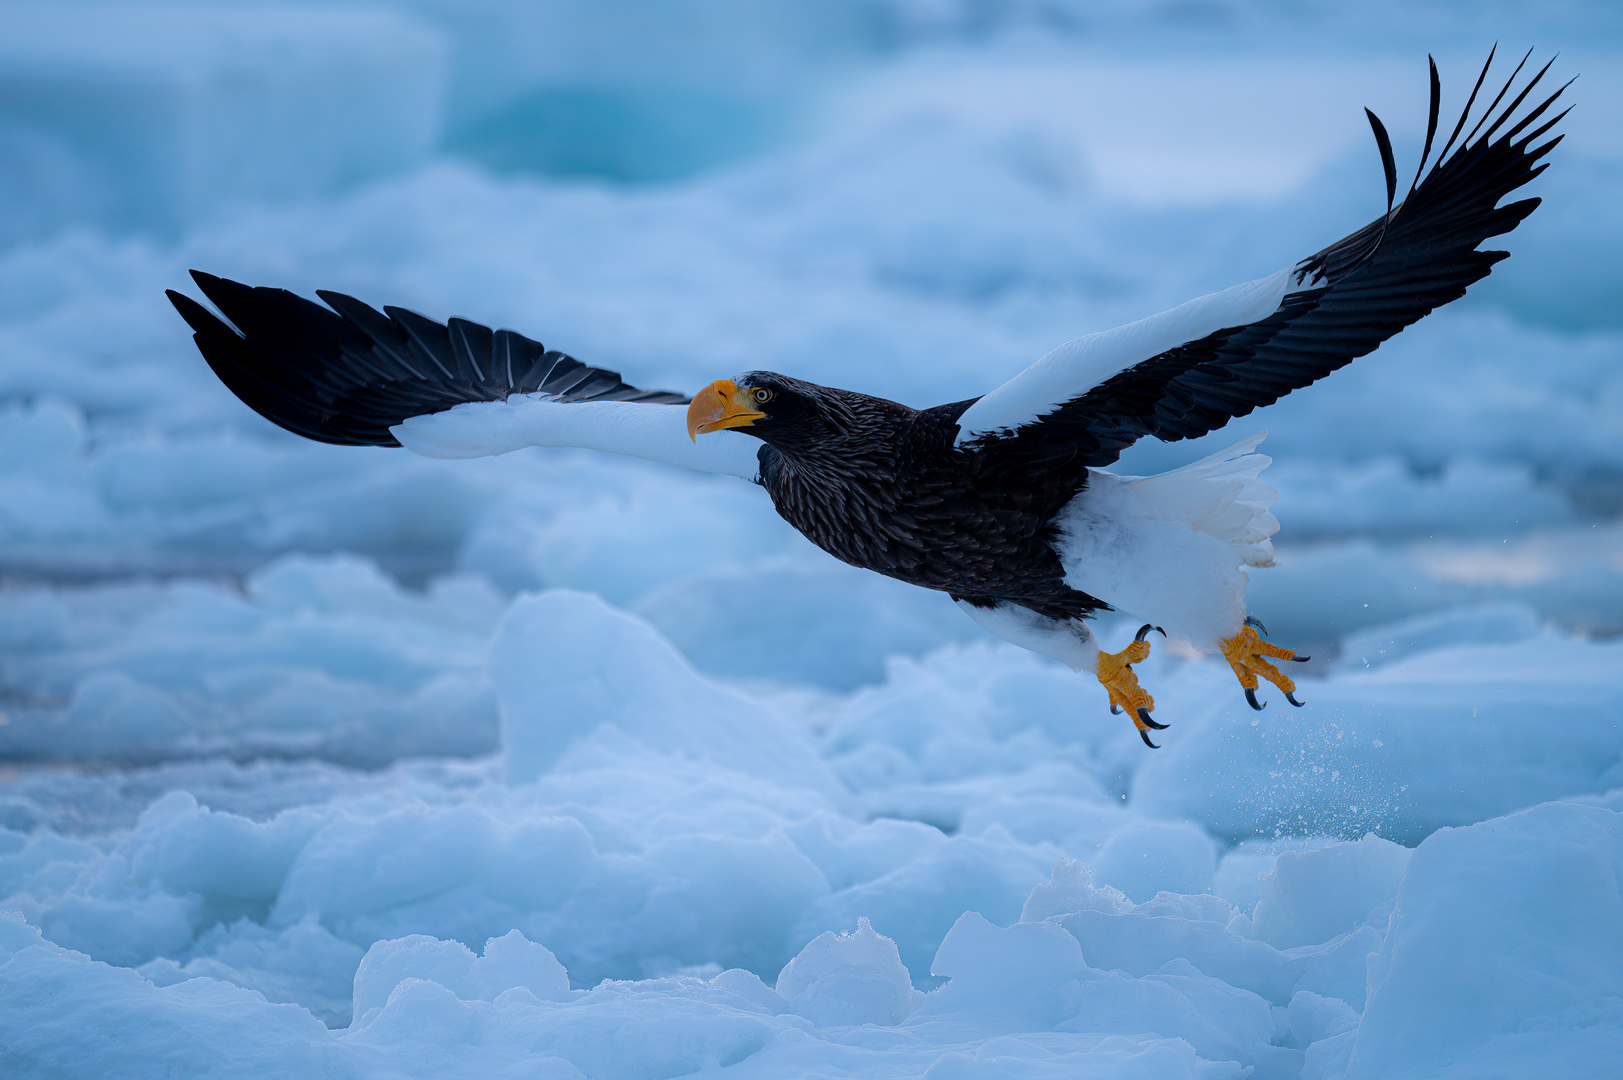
(719, 406)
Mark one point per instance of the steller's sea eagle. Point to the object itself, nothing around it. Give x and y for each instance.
(1001, 501)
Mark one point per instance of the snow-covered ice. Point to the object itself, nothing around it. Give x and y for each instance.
(150, 116)
(337, 761)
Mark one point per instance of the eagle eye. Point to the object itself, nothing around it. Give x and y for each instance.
(761, 394)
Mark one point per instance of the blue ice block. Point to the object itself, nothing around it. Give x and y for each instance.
(140, 117)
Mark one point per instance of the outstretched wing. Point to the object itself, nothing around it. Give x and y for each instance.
(357, 376)
(1190, 370)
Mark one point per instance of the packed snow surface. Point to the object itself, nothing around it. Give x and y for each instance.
(326, 761)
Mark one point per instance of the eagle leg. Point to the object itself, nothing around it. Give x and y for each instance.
(1115, 672)
(1249, 655)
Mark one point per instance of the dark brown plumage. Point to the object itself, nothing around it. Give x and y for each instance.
(881, 486)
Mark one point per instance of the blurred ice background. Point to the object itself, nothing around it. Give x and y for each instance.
(287, 729)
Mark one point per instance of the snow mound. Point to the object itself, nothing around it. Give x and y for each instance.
(1311, 896)
(566, 665)
(855, 978)
(509, 962)
(1542, 886)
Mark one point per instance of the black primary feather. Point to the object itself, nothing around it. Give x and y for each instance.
(1431, 123)
(349, 374)
(1352, 296)
(1389, 163)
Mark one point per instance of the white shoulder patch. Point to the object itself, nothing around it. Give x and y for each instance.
(1083, 363)
(654, 432)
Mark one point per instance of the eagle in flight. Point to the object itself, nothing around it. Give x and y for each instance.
(1003, 502)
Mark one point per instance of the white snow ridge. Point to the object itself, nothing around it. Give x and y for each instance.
(324, 761)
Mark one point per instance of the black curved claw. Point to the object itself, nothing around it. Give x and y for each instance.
(1301, 659)
(1293, 701)
(1115, 710)
(1251, 696)
(1144, 632)
(1252, 620)
(1144, 715)
(1146, 737)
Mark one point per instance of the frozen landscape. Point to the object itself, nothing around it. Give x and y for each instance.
(326, 761)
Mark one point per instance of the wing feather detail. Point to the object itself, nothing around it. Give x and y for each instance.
(1093, 358)
(1342, 303)
(349, 374)
(352, 375)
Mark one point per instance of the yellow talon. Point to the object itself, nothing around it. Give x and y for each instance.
(1247, 653)
(1115, 671)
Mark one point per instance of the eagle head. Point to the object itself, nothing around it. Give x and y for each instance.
(774, 408)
